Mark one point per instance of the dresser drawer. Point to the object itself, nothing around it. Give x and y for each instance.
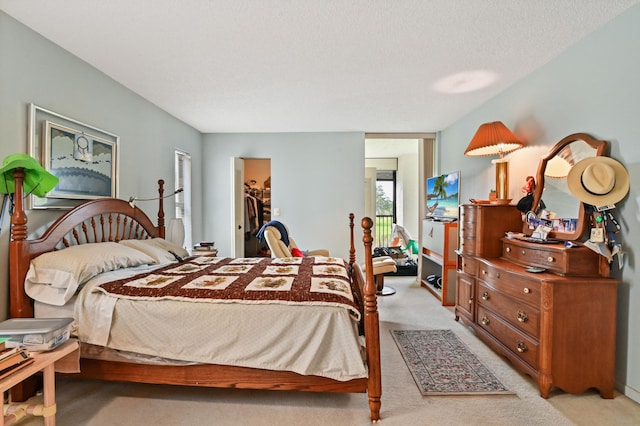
(469, 265)
(516, 341)
(483, 226)
(521, 315)
(468, 246)
(512, 284)
(578, 261)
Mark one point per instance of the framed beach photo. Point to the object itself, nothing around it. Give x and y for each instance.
(84, 163)
(84, 158)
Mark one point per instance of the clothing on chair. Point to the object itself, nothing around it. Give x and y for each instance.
(279, 226)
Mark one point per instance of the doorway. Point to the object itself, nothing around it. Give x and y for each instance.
(412, 158)
(396, 179)
(257, 197)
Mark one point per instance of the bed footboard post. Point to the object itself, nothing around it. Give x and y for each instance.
(352, 248)
(371, 326)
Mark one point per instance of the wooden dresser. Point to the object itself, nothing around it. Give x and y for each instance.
(557, 326)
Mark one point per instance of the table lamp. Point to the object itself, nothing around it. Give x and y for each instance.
(491, 139)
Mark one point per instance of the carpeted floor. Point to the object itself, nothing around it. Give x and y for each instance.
(412, 307)
(442, 365)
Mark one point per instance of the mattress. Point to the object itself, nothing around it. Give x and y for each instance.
(309, 340)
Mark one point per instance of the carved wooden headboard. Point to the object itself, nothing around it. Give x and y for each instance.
(101, 220)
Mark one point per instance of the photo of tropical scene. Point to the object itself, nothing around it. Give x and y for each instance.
(442, 195)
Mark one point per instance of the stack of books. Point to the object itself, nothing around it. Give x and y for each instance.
(12, 359)
(205, 246)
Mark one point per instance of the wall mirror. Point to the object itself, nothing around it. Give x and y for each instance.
(568, 218)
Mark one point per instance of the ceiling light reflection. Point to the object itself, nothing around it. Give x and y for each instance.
(466, 81)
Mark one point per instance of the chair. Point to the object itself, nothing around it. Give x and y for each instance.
(381, 266)
(272, 232)
(279, 248)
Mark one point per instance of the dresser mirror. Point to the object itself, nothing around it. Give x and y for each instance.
(569, 216)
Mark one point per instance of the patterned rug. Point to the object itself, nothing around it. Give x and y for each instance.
(442, 365)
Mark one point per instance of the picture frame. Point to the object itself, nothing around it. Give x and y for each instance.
(41, 146)
(85, 164)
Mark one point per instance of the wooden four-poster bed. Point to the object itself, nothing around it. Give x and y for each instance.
(110, 221)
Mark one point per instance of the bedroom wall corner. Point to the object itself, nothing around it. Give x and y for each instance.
(35, 70)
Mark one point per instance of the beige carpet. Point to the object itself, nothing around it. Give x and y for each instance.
(412, 307)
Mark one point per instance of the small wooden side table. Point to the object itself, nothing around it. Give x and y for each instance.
(42, 361)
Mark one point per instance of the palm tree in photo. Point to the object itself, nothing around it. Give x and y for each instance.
(440, 187)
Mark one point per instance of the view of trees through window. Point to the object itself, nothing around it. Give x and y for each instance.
(385, 206)
(384, 198)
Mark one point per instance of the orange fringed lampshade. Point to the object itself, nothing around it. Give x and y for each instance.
(491, 139)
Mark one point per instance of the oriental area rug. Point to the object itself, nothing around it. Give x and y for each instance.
(441, 364)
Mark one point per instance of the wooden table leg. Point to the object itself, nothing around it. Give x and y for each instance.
(49, 395)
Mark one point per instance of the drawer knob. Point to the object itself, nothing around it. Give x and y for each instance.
(484, 272)
(521, 347)
(485, 295)
(522, 316)
(526, 290)
(508, 249)
(550, 259)
(471, 301)
(498, 275)
(523, 252)
(485, 321)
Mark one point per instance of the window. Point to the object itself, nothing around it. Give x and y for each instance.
(183, 199)
(385, 205)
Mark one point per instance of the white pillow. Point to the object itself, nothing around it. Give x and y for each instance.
(157, 248)
(55, 276)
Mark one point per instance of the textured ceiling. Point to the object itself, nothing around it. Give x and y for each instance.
(316, 65)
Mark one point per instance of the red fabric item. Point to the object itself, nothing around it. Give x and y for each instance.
(296, 252)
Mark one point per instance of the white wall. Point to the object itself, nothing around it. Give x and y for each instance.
(34, 70)
(408, 190)
(317, 179)
(594, 88)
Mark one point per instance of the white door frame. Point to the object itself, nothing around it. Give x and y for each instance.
(237, 207)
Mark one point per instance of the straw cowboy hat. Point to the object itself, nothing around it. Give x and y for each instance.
(37, 180)
(599, 181)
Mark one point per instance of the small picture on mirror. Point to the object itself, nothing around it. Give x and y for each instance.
(564, 225)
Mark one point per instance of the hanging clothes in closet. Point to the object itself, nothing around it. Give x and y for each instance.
(253, 215)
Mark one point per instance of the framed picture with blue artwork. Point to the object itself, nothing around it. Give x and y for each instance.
(83, 158)
(84, 163)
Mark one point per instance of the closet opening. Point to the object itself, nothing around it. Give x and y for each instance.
(257, 194)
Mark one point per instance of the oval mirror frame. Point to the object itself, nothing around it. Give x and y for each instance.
(599, 147)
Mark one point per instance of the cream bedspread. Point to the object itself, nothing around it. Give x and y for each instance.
(309, 340)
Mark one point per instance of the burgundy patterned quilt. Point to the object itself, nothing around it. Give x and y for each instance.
(298, 280)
